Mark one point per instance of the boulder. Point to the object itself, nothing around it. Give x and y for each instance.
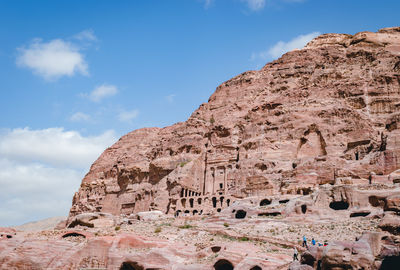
(298, 266)
(150, 215)
(390, 223)
(393, 203)
(92, 220)
(347, 255)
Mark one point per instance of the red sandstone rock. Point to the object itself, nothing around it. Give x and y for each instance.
(390, 223)
(325, 114)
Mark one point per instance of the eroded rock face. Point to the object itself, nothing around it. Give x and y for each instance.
(82, 250)
(328, 113)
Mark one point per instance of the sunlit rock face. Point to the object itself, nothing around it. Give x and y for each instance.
(328, 113)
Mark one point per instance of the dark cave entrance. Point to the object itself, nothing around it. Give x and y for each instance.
(265, 202)
(223, 265)
(131, 266)
(341, 205)
(304, 208)
(214, 202)
(390, 263)
(240, 214)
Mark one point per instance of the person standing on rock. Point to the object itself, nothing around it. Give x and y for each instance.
(295, 254)
(304, 241)
(313, 241)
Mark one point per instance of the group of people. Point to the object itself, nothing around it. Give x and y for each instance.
(304, 244)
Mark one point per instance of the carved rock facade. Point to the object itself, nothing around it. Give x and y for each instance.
(328, 113)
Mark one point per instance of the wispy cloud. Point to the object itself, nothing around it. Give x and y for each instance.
(208, 3)
(255, 5)
(170, 98)
(282, 47)
(86, 35)
(80, 117)
(101, 92)
(128, 116)
(52, 59)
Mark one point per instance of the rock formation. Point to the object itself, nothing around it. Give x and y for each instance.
(307, 146)
(325, 114)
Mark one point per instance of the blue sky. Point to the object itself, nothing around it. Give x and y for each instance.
(76, 75)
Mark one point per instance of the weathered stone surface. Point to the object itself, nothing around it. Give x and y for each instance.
(92, 220)
(297, 266)
(393, 203)
(150, 215)
(390, 223)
(325, 114)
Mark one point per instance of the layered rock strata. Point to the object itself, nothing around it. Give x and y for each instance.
(325, 114)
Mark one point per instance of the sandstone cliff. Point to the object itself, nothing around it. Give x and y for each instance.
(328, 113)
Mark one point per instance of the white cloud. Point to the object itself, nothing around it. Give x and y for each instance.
(86, 35)
(80, 117)
(170, 98)
(207, 3)
(53, 59)
(53, 146)
(255, 4)
(127, 116)
(41, 170)
(103, 91)
(282, 47)
(33, 191)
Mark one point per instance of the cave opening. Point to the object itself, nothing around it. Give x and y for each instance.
(304, 208)
(191, 201)
(269, 214)
(340, 205)
(214, 202)
(240, 214)
(223, 265)
(73, 234)
(265, 202)
(131, 266)
(390, 263)
(360, 214)
(183, 202)
(215, 249)
(376, 202)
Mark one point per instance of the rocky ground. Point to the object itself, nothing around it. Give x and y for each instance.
(153, 240)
